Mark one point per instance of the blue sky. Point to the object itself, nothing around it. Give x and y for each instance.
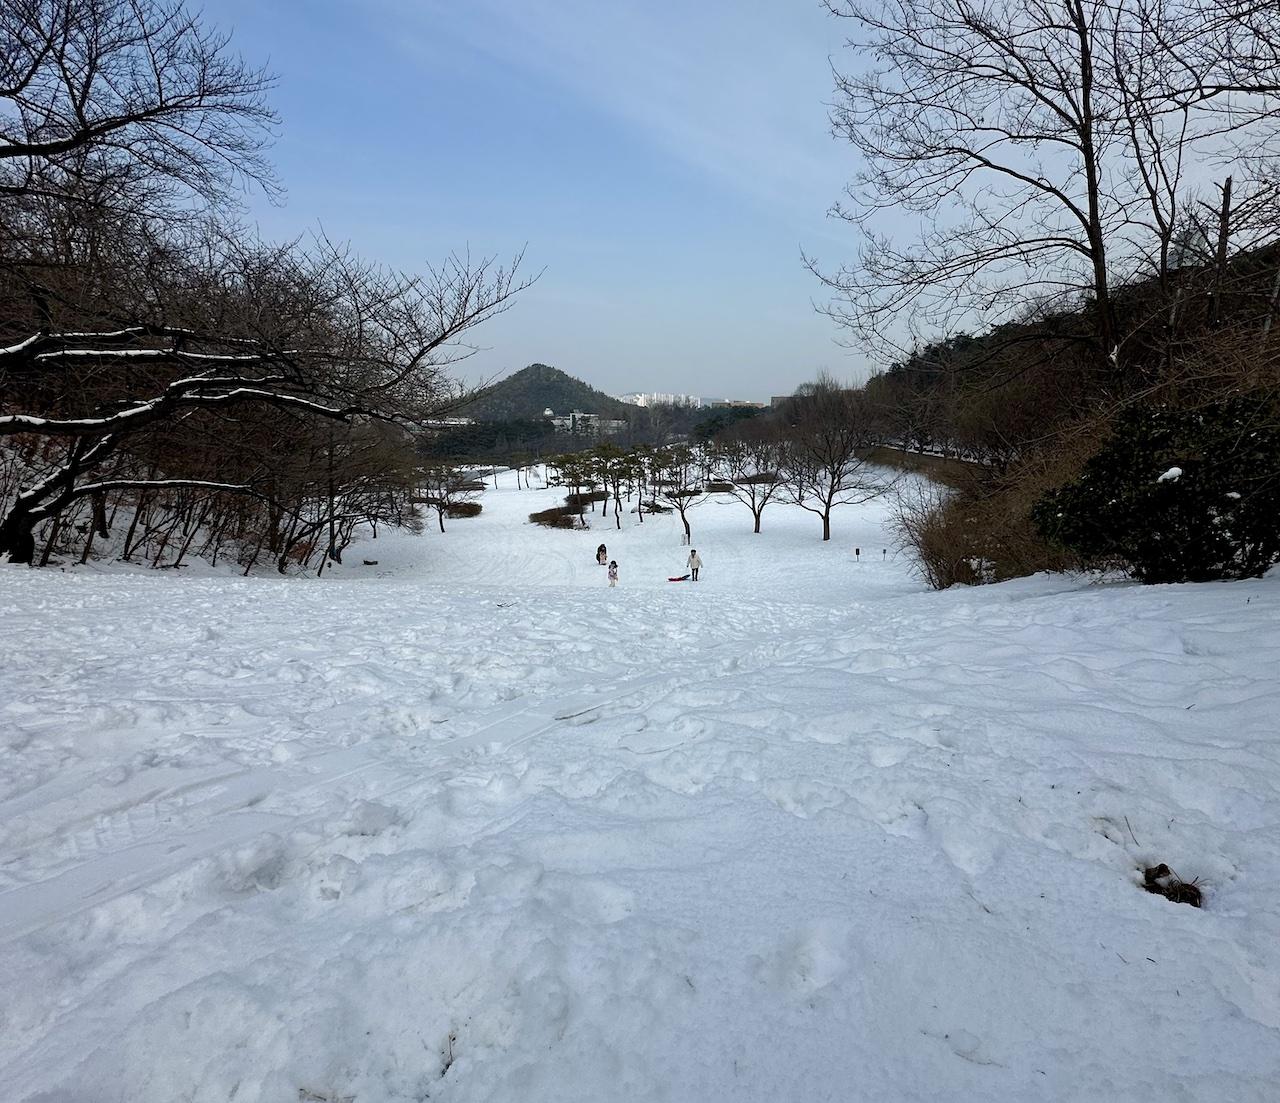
(664, 162)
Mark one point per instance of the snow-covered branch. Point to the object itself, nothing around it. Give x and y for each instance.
(183, 393)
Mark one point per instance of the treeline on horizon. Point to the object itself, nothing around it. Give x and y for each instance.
(517, 441)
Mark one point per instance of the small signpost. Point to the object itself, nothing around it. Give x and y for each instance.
(857, 554)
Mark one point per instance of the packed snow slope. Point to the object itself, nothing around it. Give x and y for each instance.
(467, 825)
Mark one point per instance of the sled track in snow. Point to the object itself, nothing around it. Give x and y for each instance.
(227, 802)
(231, 817)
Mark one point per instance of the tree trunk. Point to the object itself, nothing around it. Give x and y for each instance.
(164, 544)
(273, 526)
(257, 551)
(17, 535)
(1104, 314)
(88, 542)
(1220, 255)
(99, 521)
(53, 539)
(1271, 308)
(17, 529)
(217, 546)
(139, 509)
(195, 528)
(282, 551)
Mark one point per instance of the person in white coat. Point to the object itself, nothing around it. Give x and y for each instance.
(695, 564)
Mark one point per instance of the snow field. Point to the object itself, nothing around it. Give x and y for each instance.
(467, 825)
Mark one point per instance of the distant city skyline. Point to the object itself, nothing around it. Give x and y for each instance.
(662, 165)
(658, 398)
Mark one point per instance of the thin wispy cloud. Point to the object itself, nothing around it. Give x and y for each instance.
(735, 90)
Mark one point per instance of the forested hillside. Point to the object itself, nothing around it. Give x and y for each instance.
(540, 387)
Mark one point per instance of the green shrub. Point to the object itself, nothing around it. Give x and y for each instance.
(1177, 495)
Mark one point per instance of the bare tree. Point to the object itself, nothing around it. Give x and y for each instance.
(442, 486)
(613, 469)
(679, 481)
(827, 441)
(751, 463)
(137, 104)
(575, 471)
(642, 470)
(1048, 145)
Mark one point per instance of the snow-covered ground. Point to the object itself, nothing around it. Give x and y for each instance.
(467, 825)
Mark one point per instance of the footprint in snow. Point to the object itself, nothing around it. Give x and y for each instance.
(905, 818)
(814, 959)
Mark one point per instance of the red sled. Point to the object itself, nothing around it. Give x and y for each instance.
(681, 578)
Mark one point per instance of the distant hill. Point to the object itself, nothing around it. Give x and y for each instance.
(530, 391)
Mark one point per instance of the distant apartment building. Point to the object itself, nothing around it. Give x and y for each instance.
(659, 398)
(736, 404)
(585, 425)
(447, 422)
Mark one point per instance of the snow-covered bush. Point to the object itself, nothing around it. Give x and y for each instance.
(1177, 495)
(557, 517)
